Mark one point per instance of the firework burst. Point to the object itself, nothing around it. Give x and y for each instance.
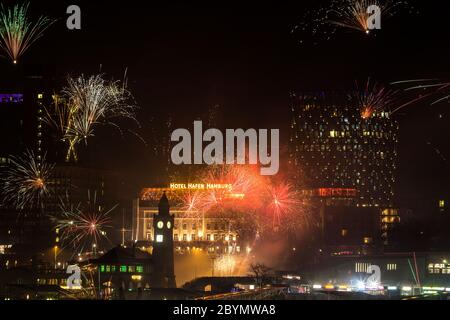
(94, 100)
(374, 98)
(83, 226)
(25, 181)
(283, 201)
(322, 23)
(17, 32)
(353, 14)
(85, 103)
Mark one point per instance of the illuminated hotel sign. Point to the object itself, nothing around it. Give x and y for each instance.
(11, 98)
(200, 186)
(331, 192)
(337, 192)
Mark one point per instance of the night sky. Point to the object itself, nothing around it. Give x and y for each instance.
(185, 58)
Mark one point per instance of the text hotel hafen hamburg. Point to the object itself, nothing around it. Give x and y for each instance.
(200, 186)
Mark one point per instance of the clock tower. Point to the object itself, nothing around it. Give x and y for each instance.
(163, 263)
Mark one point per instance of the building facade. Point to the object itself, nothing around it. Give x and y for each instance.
(346, 162)
(192, 229)
(333, 146)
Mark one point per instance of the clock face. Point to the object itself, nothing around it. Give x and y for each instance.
(169, 225)
(160, 225)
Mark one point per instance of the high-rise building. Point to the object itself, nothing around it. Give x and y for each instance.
(345, 162)
(333, 146)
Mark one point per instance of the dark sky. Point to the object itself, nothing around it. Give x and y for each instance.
(184, 57)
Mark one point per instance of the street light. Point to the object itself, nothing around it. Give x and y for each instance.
(56, 253)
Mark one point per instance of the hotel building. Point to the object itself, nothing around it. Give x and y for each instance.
(192, 229)
(347, 163)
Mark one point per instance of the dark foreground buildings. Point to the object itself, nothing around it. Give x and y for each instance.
(132, 269)
(121, 273)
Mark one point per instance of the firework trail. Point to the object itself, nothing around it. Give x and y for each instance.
(428, 89)
(438, 153)
(59, 117)
(25, 181)
(83, 226)
(374, 98)
(17, 32)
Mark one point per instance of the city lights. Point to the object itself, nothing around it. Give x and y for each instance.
(298, 153)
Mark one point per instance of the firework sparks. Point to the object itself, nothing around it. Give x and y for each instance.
(374, 98)
(283, 201)
(322, 23)
(262, 200)
(86, 102)
(353, 14)
(94, 100)
(83, 226)
(25, 181)
(17, 32)
(60, 117)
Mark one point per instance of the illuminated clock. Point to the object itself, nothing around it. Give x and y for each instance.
(160, 225)
(169, 225)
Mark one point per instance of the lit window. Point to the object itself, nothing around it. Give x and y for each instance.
(442, 204)
(140, 269)
(123, 268)
(102, 268)
(392, 267)
(159, 238)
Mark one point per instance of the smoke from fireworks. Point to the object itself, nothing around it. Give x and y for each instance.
(83, 225)
(17, 32)
(253, 203)
(25, 181)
